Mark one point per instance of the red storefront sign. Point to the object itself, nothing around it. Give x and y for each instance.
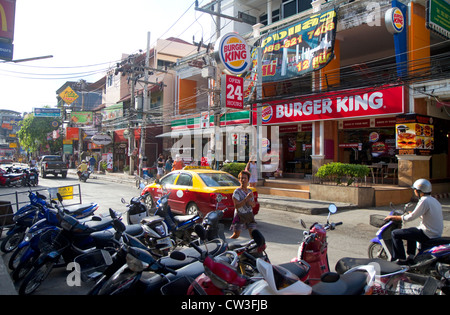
(345, 104)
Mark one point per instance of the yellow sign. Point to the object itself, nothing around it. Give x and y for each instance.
(68, 95)
(66, 192)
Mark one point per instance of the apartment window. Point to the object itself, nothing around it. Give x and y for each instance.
(292, 7)
(275, 17)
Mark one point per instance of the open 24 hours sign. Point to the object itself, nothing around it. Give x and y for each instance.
(366, 102)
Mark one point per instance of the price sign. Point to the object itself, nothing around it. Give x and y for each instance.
(233, 87)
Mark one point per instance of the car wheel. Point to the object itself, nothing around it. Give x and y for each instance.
(192, 208)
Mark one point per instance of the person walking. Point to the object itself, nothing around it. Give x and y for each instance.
(253, 170)
(160, 166)
(168, 166)
(178, 164)
(244, 202)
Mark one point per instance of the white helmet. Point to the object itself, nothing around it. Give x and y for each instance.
(423, 185)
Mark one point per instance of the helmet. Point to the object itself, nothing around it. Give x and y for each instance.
(423, 185)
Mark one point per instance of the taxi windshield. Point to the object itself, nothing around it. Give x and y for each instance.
(219, 179)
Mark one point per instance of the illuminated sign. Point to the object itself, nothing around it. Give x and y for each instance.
(7, 15)
(232, 53)
(395, 21)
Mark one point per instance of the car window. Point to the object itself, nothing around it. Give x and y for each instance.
(218, 179)
(169, 179)
(184, 180)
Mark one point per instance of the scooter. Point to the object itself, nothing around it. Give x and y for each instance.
(181, 227)
(430, 253)
(71, 239)
(314, 248)
(83, 176)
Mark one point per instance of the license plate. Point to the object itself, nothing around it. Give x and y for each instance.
(57, 171)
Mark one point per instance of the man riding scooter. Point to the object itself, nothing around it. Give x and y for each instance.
(82, 170)
(431, 226)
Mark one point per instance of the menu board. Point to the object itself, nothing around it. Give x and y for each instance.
(414, 134)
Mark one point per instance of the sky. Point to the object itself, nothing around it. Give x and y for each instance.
(86, 37)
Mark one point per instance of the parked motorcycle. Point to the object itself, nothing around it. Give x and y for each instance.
(430, 254)
(227, 273)
(133, 277)
(71, 239)
(28, 250)
(181, 227)
(314, 248)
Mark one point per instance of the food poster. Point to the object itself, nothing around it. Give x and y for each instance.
(414, 138)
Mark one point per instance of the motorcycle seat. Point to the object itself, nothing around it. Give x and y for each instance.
(134, 229)
(434, 242)
(184, 218)
(152, 219)
(77, 209)
(349, 284)
(215, 247)
(386, 267)
(99, 225)
(296, 268)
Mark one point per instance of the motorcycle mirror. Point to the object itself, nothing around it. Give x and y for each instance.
(303, 223)
(258, 237)
(112, 213)
(332, 208)
(60, 198)
(96, 218)
(177, 255)
(219, 197)
(123, 200)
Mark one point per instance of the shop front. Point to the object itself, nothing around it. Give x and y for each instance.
(351, 126)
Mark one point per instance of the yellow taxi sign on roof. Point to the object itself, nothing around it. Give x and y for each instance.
(193, 167)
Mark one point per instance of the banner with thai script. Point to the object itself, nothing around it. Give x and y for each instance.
(334, 105)
(300, 47)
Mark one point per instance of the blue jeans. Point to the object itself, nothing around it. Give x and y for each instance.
(412, 236)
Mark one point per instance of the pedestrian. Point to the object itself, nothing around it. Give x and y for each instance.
(431, 225)
(253, 170)
(92, 162)
(160, 166)
(169, 163)
(244, 202)
(178, 164)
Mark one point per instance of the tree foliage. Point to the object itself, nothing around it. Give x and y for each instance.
(33, 134)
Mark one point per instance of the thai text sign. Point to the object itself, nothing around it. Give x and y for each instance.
(334, 105)
(299, 48)
(68, 95)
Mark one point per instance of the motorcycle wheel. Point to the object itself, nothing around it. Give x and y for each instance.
(11, 242)
(377, 251)
(14, 260)
(22, 269)
(35, 277)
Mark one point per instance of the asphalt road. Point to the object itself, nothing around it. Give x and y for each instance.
(281, 229)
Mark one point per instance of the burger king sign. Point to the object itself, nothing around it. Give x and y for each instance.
(232, 53)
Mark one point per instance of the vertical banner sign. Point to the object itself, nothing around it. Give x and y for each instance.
(395, 20)
(232, 89)
(7, 15)
(299, 48)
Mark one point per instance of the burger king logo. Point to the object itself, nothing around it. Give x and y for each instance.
(395, 20)
(266, 114)
(233, 53)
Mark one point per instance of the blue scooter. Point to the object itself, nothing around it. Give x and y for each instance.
(180, 227)
(28, 250)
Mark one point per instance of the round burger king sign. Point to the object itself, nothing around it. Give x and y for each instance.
(233, 53)
(394, 20)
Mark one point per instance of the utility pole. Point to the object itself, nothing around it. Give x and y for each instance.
(144, 109)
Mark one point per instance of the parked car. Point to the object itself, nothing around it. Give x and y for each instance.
(53, 164)
(194, 189)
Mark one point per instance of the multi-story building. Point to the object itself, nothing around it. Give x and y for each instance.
(341, 81)
(9, 144)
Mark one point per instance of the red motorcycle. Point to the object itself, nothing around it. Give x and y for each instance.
(314, 248)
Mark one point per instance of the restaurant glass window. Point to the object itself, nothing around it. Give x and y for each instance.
(296, 148)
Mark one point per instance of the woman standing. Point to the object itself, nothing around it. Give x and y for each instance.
(243, 203)
(253, 170)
